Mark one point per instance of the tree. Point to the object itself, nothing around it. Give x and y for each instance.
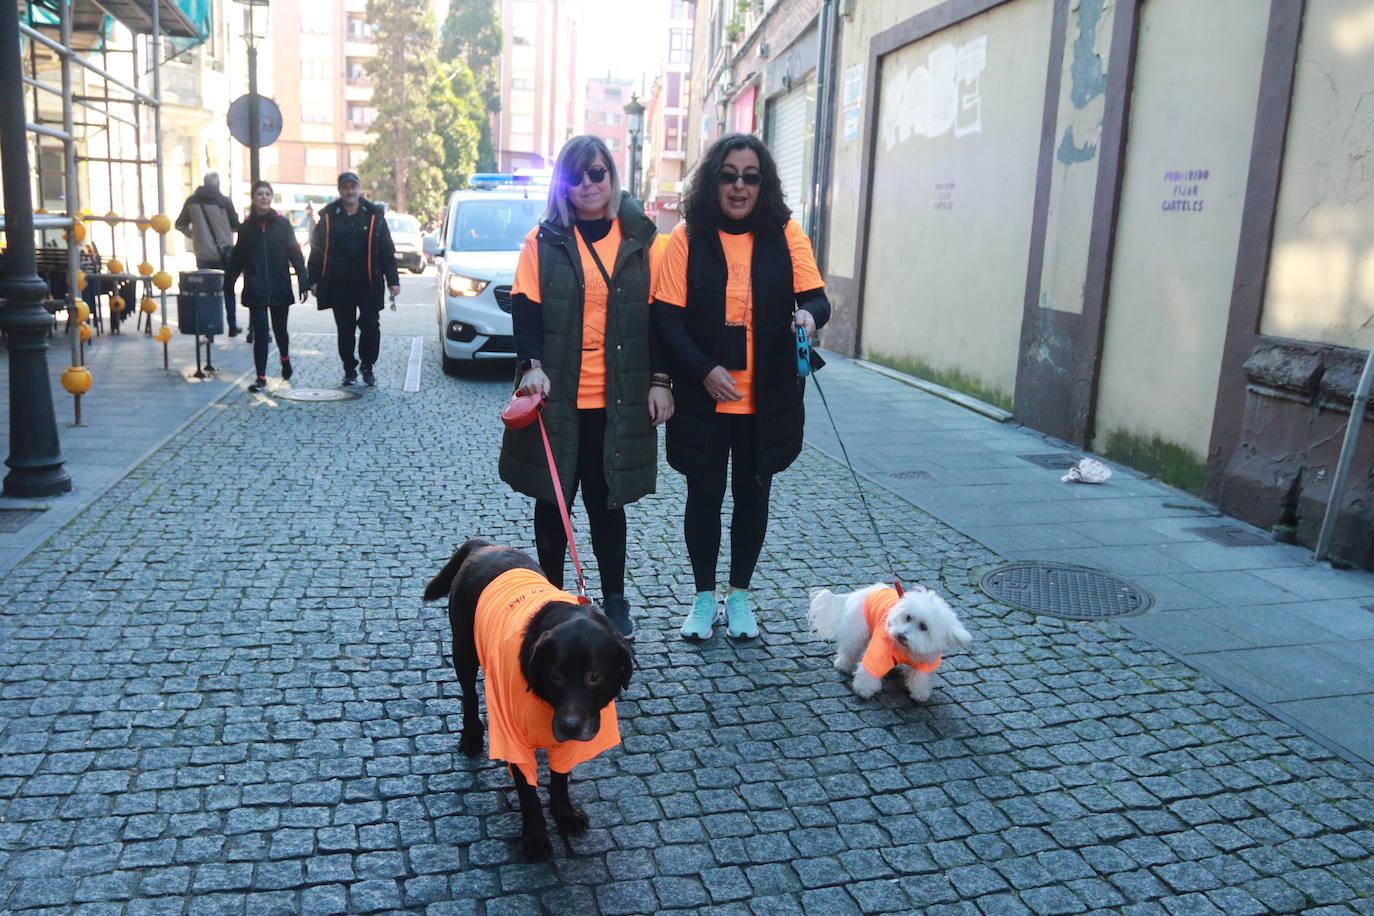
(472, 36)
(459, 115)
(404, 158)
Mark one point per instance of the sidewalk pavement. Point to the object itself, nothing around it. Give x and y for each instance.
(220, 690)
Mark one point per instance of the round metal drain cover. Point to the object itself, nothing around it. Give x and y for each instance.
(316, 394)
(1073, 592)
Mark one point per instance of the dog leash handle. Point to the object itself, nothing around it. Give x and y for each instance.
(563, 510)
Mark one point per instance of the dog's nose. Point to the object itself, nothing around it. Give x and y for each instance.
(567, 726)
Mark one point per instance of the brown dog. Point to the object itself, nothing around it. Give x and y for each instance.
(553, 670)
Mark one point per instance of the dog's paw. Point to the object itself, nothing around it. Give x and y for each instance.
(535, 845)
(842, 664)
(471, 742)
(918, 686)
(865, 684)
(572, 822)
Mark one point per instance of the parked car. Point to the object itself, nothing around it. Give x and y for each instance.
(482, 235)
(405, 234)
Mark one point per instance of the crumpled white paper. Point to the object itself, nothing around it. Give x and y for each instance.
(1088, 470)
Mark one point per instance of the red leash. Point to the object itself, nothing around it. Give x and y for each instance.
(519, 413)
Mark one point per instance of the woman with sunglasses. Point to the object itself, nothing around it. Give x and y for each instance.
(737, 279)
(580, 313)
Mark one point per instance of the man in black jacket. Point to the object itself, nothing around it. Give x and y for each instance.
(352, 259)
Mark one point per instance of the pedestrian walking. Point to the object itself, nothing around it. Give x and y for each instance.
(208, 219)
(264, 256)
(580, 313)
(738, 277)
(352, 265)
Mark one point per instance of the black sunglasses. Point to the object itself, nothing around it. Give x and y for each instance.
(750, 178)
(597, 174)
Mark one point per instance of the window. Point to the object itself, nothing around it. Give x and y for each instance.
(359, 29)
(682, 9)
(354, 72)
(672, 133)
(314, 113)
(612, 143)
(320, 157)
(360, 115)
(675, 46)
(674, 91)
(611, 117)
(522, 84)
(315, 69)
(613, 94)
(356, 157)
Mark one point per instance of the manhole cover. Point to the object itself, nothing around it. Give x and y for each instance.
(12, 520)
(1065, 591)
(1054, 461)
(317, 394)
(1231, 536)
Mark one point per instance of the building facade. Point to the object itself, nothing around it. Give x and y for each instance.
(666, 118)
(604, 116)
(539, 71)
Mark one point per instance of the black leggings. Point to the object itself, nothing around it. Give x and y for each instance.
(608, 525)
(730, 433)
(257, 320)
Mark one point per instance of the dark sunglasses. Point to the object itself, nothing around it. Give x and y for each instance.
(750, 178)
(597, 174)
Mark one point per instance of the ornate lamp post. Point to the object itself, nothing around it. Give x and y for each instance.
(35, 458)
(634, 121)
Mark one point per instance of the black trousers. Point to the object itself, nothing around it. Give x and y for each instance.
(361, 311)
(608, 525)
(231, 317)
(732, 438)
(257, 321)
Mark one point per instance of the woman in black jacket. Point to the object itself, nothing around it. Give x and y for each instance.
(264, 254)
(737, 279)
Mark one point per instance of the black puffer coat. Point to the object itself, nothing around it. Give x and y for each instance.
(263, 256)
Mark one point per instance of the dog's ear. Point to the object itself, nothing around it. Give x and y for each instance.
(625, 664)
(959, 635)
(535, 657)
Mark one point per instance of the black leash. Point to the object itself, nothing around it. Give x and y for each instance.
(803, 358)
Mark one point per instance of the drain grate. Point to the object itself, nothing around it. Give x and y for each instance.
(317, 394)
(1055, 461)
(1231, 536)
(912, 475)
(1072, 592)
(11, 520)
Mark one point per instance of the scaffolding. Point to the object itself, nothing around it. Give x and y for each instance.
(70, 40)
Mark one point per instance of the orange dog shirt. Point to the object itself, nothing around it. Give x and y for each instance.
(882, 654)
(518, 721)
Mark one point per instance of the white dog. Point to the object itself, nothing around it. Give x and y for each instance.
(875, 631)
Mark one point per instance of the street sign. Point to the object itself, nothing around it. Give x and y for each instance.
(269, 120)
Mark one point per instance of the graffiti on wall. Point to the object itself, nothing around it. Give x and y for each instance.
(938, 97)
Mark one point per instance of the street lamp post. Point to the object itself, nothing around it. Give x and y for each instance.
(35, 457)
(251, 36)
(634, 122)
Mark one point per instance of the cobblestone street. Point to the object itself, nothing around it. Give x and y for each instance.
(221, 693)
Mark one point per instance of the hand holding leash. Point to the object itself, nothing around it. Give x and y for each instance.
(803, 352)
(393, 302)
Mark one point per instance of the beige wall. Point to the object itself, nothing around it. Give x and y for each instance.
(1192, 111)
(856, 31)
(952, 193)
(1321, 280)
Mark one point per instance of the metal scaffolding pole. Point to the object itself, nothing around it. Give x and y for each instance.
(69, 161)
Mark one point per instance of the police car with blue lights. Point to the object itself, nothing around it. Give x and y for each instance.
(483, 230)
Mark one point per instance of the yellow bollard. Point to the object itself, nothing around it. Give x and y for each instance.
(164, 334)
(77, 381)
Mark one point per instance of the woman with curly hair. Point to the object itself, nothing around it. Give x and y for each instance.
(737, 279)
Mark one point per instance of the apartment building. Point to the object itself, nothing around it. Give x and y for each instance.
(666, 115)
(604, 117)
(539, 74)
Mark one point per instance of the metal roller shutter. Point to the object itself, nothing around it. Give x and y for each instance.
(789, 140)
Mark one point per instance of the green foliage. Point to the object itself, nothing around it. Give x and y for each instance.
(472, 34)
(949, 378)
(405, 157)
(460, 117)
(1173, 464)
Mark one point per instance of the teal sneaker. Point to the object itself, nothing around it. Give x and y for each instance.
(739, 619)
(704, 613)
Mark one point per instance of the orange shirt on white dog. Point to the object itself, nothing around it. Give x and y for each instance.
(882, 654)
(518, 722)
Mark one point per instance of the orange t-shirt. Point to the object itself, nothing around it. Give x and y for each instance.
(671, 286)
(882, 654)
(591, 382)
(518, 722)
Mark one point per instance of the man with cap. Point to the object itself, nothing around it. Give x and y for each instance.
(352, 264)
